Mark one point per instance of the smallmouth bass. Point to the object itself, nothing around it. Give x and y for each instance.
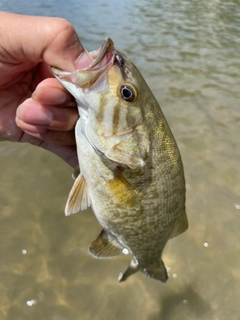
(131, 171)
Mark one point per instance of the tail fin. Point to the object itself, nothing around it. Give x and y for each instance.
(133, 268)
(158, 273)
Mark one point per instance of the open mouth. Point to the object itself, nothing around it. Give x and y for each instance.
(91, 60)
(98, 58)
(90, 66)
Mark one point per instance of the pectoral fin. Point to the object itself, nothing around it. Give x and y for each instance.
(105, 246)
(122, 191)
(79, 198)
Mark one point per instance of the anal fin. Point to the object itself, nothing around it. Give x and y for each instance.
(105, 246)
(79, 198)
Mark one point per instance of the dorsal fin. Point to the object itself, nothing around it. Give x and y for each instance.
(79, 198)
(105, 246)
(181, 226)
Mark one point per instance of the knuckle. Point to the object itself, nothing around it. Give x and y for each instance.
(64, 28)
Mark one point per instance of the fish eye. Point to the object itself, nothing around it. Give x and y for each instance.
(128, 92)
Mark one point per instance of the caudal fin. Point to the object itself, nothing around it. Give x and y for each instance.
(158, 273)
(133, 268)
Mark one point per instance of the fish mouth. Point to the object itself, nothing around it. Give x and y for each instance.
(102, 56)
(90, 66)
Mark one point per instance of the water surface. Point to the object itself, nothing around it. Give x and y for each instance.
(188, 51)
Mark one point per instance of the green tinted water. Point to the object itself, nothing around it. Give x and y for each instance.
(188, 52)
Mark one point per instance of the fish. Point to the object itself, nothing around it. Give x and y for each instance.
(130, 168)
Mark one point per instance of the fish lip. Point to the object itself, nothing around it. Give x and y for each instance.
(106, 52)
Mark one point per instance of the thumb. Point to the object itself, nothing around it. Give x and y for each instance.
(38, 39)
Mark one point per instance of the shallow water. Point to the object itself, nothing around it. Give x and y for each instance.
(188, 52)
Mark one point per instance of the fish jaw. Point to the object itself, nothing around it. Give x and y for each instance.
(101, 56)
(67, 79)
(84, 80)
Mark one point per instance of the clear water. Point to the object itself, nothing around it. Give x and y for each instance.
(188, 52)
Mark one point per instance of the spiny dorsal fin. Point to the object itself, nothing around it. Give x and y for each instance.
(181, 226)
(79, 198)
(105, 246)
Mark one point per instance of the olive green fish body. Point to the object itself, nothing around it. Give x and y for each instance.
(131, 171)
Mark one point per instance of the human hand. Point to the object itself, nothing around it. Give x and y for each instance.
(34, 107)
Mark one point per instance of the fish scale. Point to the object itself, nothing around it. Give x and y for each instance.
(131, 171)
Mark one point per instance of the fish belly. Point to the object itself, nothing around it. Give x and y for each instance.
(139, 207)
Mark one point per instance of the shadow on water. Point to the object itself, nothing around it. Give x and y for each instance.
(187, 304)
